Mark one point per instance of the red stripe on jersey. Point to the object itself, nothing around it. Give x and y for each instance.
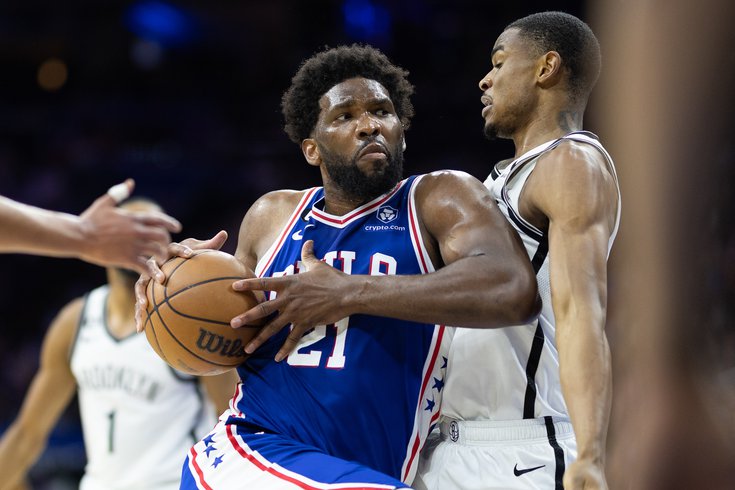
(235, 400)
(294, 217)
(200, 474)
(429, 372)
(415, 235)
(357, 212)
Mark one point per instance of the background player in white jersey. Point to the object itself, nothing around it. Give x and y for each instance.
(103, 234)
(511, 394)
(351, 402)
(139, 416)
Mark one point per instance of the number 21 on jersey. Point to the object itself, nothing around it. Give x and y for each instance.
(313, 358)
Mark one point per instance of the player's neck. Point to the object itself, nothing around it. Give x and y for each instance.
(121, 309)
(337, 203)
(546, 127)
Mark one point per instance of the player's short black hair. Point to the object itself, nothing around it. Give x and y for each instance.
(318, 74)
(572, 39)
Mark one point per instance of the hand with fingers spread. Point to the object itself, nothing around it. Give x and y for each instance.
(302, 300)
(153, 265)
(121, 237)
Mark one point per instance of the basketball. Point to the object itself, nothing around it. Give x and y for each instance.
(188, 317)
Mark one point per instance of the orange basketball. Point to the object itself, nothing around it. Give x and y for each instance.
(188, 317)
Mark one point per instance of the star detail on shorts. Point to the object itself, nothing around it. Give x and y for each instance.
(217, 461)
(444, 362)
(438, 384)
(430, 405)
(208, 440)
(210, 449)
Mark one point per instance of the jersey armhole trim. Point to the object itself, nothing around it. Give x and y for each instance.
(80, 321)
(419, 247)
(268, 257)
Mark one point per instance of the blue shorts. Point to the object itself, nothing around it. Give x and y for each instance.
(235, 457)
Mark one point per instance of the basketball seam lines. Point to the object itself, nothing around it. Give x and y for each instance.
(166, 301)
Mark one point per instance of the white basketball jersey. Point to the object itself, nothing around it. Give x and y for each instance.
(139, 416)
(513, 373)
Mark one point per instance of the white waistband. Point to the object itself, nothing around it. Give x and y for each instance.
(503, 431)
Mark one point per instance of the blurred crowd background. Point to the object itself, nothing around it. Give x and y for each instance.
(184, 97)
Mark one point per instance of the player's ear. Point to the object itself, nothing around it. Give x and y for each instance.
(549, 69)
(311, 152)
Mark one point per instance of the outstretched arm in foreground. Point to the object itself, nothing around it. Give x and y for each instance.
(51, 391)
(103, 234)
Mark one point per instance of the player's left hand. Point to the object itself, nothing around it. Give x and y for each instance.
(585, 474)
(310, 298)
(153, 271)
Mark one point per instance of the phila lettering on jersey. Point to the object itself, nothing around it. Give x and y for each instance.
(521, 363)
(139, 416)
(364, 389)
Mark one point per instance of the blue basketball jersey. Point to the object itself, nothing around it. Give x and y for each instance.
(365, 389)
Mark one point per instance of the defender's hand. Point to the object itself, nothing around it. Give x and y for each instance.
(120, 237)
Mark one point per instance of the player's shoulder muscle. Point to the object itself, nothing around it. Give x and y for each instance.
(451, 191)
(445, 181)
(458, 212)
(448, 189)
(571, 180)
(264, 220)
(573, 161)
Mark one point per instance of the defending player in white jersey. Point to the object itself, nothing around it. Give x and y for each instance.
(139, 416)
(516, 397)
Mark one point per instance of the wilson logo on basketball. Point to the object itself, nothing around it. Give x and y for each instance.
(211, 342)
(188, 317)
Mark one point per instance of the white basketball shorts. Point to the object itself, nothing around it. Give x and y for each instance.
(507, 455)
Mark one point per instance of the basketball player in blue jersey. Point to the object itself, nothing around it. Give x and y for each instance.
(364, 273)
(139, 416)
(548, 381)
(103, 234)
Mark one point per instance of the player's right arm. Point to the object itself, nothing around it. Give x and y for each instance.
(581, 220)
(50, 392)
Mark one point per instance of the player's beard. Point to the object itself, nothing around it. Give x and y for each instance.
(355, 183)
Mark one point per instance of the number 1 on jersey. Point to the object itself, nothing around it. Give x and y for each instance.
(312, 358)
(111, 416)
